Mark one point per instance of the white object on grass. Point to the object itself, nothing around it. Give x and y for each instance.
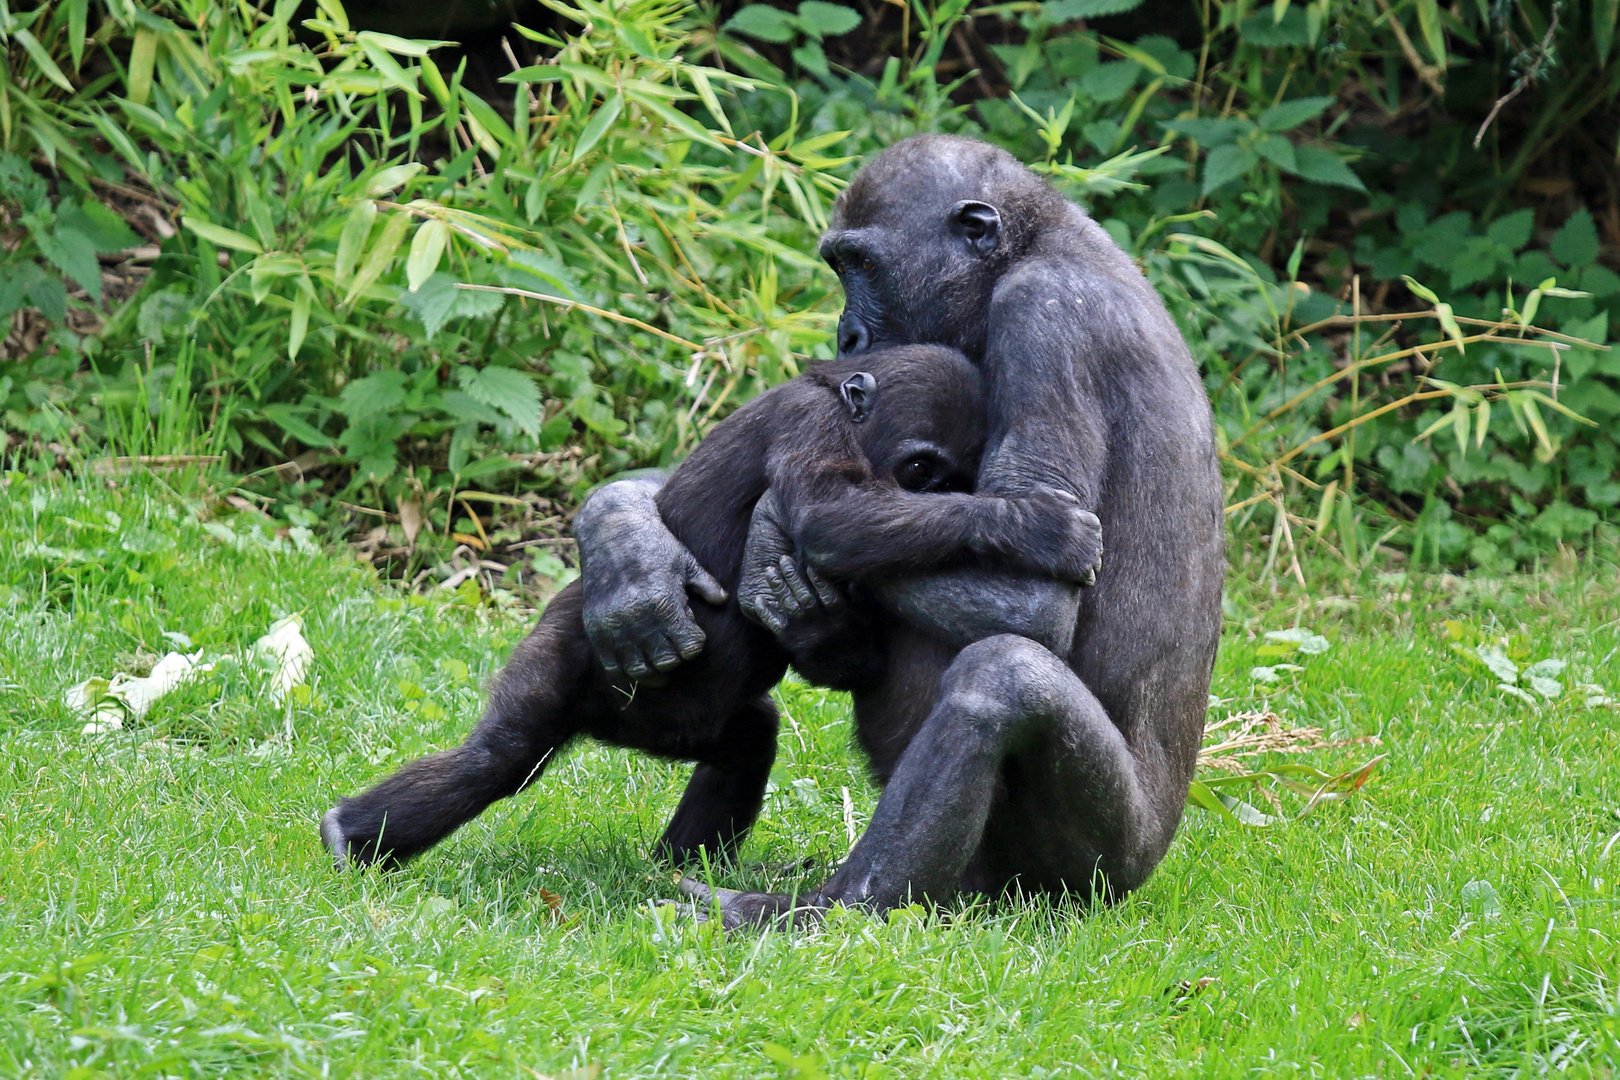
(284, 644)
(109, 702)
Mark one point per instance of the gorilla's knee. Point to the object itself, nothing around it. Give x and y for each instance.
(998, 681)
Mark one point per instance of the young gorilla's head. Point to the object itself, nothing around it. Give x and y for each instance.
(918, 412)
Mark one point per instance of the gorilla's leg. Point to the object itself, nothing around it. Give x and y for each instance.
(1019, 771)
(535, 707)
(723, 798)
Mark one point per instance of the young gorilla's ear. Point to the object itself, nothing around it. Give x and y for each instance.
(977, 223)
(858, 392)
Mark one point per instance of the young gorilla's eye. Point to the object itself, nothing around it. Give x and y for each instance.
(867, 264)
(919, 473)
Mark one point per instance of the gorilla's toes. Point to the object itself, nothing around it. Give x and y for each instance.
(747, 910)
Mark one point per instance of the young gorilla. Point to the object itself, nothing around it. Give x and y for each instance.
(910, 419)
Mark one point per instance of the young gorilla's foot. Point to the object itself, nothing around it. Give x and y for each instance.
(751, 910)
(350, 850)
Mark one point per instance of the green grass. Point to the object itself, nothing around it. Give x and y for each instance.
(166, 909)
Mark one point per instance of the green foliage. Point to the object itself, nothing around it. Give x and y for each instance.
(537, 290)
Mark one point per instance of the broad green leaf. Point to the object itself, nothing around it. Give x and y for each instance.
(399, 45)
(811, 57)
(386, 180)
(381, 255)
(1209, 132)
(427, 247)
(287, 419)
(600, 122)
(822, 19)
(1576, 244)
(299, 324)
(1227, 163)
(1324, 167)
(381, 392)
(352, 241)
(388, 67)
(512, 392)
(1434, 35)
(1287, 115)
(1055, 12)
(1513, 230)
(220, 236)
(490, 120)
(1279, 151)
(74, 254)
(763, 22)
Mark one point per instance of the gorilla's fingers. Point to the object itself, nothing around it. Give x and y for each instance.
(635, 665)
(786, 604)
(796, 583)
(689, 640)
(665, 656)
(829, 596)
(703, 583)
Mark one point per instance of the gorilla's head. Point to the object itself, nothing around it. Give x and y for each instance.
(921, 236)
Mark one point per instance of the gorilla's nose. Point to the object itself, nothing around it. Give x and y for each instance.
(853, 336)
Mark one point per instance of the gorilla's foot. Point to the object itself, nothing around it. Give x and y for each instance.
(752, 910)
(351, 848)
(336, 843)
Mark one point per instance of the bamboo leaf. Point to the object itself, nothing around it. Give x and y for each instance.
(142, 55)
(47, 66)
(600, 122)
(427, 247)
(1482, 422)
(352, 241)
(220, 236)
(299, 325)
(382, 254)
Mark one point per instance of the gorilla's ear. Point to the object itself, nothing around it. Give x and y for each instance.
(858, 391)
(977, 223)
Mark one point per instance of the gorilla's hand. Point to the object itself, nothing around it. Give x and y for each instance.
(1052, 533)
(773, 591)
(635, 576)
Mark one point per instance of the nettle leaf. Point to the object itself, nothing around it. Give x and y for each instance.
(1110, 82)
(373, 394)
(433, 302)
(1209, 132)
(1287, 115)
(464, 407)
(104, 229)
(763, 22)
(74, 254)
(1062, 11)
(512, 392)
(525, 266)
(1279, 151)
(827, 20)
(1227, 163)
(1576, 244)
(1513, 231)
(812, 58)
(20, 183)
(1324, 167)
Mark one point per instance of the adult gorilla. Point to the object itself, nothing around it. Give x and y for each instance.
(1063, 734)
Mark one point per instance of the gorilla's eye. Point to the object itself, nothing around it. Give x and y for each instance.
(867, 264)
(921, 472)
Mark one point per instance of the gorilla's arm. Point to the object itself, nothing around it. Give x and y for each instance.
(969, 604)
(879, 530)
(635, 575)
